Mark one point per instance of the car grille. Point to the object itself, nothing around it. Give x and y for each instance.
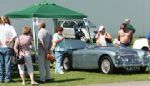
(129, 59)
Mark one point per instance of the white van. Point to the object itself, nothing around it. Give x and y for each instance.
(72, 27)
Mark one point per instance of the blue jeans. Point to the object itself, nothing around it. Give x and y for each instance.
(58, 57)
(5, 65)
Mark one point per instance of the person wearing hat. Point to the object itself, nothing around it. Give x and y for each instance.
(130, 28)
(103, 37)
(24, 43)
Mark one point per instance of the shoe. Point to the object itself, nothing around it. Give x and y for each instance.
(61, 72)
(47, 80)
(41, 82)
(8, 81)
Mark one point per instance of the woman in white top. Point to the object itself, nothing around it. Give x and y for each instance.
(103, 37)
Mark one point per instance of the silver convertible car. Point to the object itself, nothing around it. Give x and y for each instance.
(80, 55)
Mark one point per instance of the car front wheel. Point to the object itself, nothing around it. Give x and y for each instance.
(66, 63)
(106, 65)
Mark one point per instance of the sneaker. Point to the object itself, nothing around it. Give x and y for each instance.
(41, 82)
(61, 72)
(47, 80)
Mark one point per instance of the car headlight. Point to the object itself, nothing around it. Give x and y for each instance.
(118, 55)
(146, 54)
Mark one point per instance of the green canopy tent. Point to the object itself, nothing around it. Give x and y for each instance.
(45, 10)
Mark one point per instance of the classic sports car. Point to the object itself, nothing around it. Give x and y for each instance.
(81, 55)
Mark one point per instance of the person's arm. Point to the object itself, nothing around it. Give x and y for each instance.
(131, 38)
(97, 35)
(41, 39)
(16, 45)
(97, 41)
(50, 43)
(118, 36)
(108, 36)
(59, 40)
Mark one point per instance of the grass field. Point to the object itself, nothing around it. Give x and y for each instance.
(83, 77)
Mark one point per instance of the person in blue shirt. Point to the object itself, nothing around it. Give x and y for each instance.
(59, 48)
(148, 39)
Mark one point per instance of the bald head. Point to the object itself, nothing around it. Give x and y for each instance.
(41, 24)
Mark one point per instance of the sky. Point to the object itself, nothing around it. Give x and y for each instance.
(110, 13)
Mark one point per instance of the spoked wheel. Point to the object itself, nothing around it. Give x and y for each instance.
(66, 63)
(106, 65)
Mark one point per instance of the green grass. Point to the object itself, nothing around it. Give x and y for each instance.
(83, 77)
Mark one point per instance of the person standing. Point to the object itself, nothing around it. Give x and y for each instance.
(45, 42)
(2, 65)
(59, 48)
(9, 34)
(148, 40)
(103, 37)
(23, 42)
(130, 28)
(124, 35)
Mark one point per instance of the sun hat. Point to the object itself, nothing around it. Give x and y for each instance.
(126, 20)
(101, 28)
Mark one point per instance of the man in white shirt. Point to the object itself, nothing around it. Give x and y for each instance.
(6, 47)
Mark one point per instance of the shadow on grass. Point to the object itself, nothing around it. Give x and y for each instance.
(67, 80)
(87, 70)
(120, 72)
(130, 72)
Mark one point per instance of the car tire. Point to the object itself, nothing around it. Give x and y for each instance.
(66, 63)
(106, 65)
(145, 49)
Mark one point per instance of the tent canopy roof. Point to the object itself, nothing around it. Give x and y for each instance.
(45, 10)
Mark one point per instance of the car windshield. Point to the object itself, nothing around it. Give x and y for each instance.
(82, 24)
(88, 45)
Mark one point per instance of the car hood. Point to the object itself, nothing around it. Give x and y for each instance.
(121, 50)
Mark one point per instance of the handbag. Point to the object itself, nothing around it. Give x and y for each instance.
(20, 58)
(50, 57)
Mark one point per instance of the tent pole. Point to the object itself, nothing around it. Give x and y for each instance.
(87, 26)
(35, 41)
